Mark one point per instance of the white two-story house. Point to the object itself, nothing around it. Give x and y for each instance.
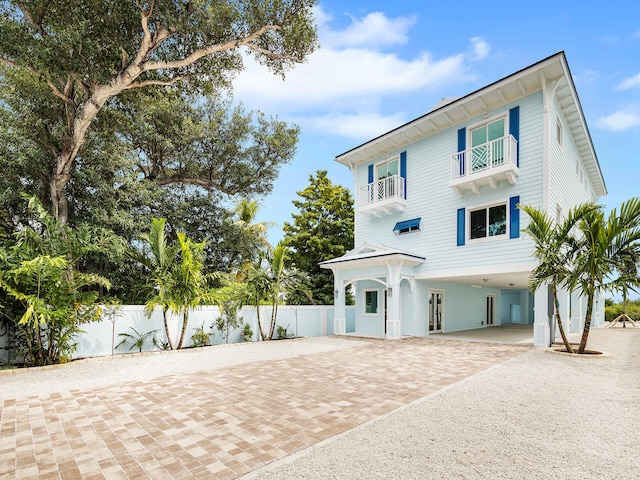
(438, 236)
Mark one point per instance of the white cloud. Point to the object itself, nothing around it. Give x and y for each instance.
(352, 77)
(480, 48)
(361, 126)
(346, 78)
(628, 83)
(374, 30)
(619, 121)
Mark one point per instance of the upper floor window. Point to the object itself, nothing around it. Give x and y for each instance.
(388, 168)
(559, 131)
(488, 221)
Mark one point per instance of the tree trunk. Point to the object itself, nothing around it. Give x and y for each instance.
(185, 321)
(274, 317)
(587, 323)
(565, 340)
(260, 329)
(166, 329)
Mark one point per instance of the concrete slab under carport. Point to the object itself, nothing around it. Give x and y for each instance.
(508, 333)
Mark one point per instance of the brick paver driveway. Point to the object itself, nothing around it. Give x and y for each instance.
(224, 423)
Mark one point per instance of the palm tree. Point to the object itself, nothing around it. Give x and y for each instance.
(189, 286)
(269, 280)
(136, 339)
(604, 248)
(552, 252)
(246, 212)
(160, 264)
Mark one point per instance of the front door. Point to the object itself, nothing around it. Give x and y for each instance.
(491, 301)
(436, 306)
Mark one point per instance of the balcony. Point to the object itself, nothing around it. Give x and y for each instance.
(485, 164)
(384, 196)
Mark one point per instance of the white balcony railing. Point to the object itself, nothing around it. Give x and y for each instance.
(383, 195)
(485, 164)
(484, 157)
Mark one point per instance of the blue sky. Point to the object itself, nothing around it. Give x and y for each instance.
(381, 65)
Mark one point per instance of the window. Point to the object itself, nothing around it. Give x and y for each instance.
(388, 169)
(488, 222)
(371, 301)
(559, 131)
(487, 145)
(407, 226)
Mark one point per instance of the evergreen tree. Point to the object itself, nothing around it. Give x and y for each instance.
(321, 230)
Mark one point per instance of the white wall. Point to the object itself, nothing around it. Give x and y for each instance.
(100, 338)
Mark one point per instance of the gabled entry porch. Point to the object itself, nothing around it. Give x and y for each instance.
(383, 281)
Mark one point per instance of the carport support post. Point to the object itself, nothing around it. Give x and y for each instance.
(339, 315)
(393, 300)
(541, 331)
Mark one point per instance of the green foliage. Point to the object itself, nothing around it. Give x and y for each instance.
(115, 112)
(614, 310)
(176, 271)
(269, 279)
(201, 338)
(136, 340)
(229, 298)
(589, 252)
(40, 272)
(247, 333)
(321, 230)
(283, 333)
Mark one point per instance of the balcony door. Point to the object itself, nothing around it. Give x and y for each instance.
(387, 170)
(486, 149)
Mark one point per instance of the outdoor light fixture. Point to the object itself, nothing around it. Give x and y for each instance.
(485, 280)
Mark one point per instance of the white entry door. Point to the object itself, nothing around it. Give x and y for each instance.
(436, 310)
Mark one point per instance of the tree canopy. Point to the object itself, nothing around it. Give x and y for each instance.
(67, 61)
(321, 230)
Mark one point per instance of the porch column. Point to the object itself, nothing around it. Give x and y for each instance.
(394, 330)
(339, 316)
(541, 318)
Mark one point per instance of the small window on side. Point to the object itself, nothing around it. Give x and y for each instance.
(559, 131)
(371, 301)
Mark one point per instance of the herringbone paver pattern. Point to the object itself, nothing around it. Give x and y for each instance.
(225, 423)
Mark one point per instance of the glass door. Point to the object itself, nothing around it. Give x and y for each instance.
(491, 300)
(436, 306)
(485, 150)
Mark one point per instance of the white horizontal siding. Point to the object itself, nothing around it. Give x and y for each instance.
(565, 187)
(430, 197)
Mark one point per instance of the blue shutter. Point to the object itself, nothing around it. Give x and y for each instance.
(462, 146)
(514, 129)
(403, 171)
(461, 215)
(514, 217)
(370, 174)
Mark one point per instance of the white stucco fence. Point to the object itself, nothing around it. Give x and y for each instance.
(100, 338)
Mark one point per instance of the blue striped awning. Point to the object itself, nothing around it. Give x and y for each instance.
(407, 226)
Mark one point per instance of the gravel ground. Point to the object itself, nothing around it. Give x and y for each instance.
(81, 374)
(539, 415)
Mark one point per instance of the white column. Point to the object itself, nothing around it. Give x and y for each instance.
(339, 316)
(394, 329)
(541, 333)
